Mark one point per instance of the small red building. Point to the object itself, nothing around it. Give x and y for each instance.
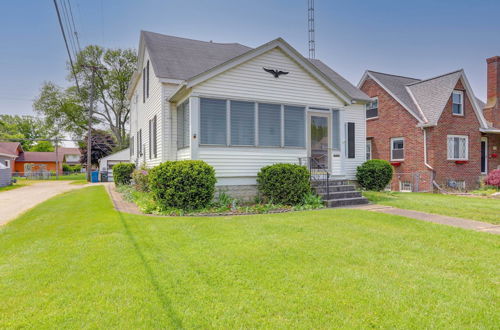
(435, 132)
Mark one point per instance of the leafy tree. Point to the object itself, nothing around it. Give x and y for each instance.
(25, 129)
(111, 107)
(103, 144)
(42, 146)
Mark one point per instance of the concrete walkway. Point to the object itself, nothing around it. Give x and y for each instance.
(436, 218)
(15, 202)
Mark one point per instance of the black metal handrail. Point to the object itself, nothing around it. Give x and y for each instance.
(319, 173)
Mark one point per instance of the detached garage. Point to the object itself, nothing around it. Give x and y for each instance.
(106, 163)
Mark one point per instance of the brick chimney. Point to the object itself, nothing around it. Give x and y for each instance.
(492, 109)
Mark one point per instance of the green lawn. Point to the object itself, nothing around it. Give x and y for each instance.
(12, 186)
(476, 208)
(75, 262)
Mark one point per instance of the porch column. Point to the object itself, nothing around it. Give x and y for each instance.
(194, 125)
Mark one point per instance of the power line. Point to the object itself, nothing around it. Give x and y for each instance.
(67, 47)
(74, 27)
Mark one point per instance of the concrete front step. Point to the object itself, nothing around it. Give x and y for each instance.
(346, 202)
(322, 190)
(340, 195)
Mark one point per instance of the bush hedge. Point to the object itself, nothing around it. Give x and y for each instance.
(493, 179)
(284, 183)
(140, 178)
(374, 174)
(185, 184)
(122, 173)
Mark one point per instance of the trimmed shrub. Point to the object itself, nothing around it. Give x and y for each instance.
(284, 183)
(66, 168)
(185, 184)
(140, 179)
(374, 174)
(493, 179)
(122, 173)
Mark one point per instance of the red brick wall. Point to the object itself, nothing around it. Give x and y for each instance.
(395, 121)
(450, 124)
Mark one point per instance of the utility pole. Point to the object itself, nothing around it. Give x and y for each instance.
(89, 133)
(57, 159)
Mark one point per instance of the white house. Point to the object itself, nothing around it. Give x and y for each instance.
(224, 104)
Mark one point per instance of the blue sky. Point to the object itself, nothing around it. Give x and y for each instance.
(414, 38)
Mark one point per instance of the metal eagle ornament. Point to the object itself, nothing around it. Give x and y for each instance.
(276, 73)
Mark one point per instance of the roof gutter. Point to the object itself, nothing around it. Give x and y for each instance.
(490, 130)
(425, 150)
(178, 91)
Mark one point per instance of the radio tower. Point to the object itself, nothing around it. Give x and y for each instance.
(310, 20)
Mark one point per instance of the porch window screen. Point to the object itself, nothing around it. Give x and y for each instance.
(294, 126)
(336, 130)
(131, 146)
(269, 125)
(351, 143)
(242, 123)
(183, 125)
(213, 122)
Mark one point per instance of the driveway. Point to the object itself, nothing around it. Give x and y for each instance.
(17, 201)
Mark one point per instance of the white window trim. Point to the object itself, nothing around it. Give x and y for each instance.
(392, 148)
(7, 163)
(366, 108)
(369, 141)
(461, 93)
(402, 184)
(466, 146)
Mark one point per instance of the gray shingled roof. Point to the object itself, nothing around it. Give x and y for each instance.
(180, 58)
(396, 85)
(433, 94)
(341, 82)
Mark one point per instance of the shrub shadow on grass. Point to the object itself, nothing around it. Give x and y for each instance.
(165, 301)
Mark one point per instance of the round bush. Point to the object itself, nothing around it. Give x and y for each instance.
(374, 174)
(185, 184)
(140, 179)
(284, 183)
(493, 178)
(122, 173)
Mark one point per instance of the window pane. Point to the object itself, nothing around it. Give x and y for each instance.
(456, 148)
(180, 125)
(242, 123)
(269, 125)
(186, 136)
(294, 126)
(397, 149)
(457, 98)
(336, 129)
(213, 121)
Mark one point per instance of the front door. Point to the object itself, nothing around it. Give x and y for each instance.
(484, 152)
(319, 140)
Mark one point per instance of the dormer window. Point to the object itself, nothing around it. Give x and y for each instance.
(458, 103)
(372, 109)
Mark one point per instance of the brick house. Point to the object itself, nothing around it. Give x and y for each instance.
(435, 132)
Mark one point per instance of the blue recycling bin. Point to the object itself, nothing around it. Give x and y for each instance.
(94, 177)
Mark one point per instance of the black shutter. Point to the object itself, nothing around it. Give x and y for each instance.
(143, 85)
(147, 80)
(351, 143)
(155, 146)
(150, 140)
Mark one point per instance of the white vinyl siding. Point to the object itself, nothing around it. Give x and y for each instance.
(249, 82)
(458, 103)
(142, 112)
(397, 149)
(242, 123)
(294, 126)
(269, 125)
(458, 147)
